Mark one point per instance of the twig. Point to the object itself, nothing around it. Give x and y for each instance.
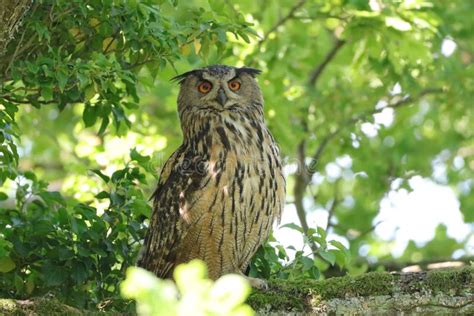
(300, 188)
(282, 21)
(321, 16)
(141, 63)
(114, 37)
(15, 52)
(351, 121)
(334, 204)
(316, 73)
(368, 231)
(25, 101)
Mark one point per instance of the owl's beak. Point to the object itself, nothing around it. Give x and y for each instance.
(221, 97)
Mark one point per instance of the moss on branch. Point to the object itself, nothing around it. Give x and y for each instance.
(38, 306)
(437, 290)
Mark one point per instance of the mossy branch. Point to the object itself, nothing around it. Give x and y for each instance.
(439, 291)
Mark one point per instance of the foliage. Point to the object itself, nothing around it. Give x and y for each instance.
(70, 248)
(359, 94)
(90, 53)
(272, 260)
(197, 294)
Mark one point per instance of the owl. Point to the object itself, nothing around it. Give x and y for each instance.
(220, 192)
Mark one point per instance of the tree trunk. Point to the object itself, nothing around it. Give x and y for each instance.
(444, 291)
(11, 16)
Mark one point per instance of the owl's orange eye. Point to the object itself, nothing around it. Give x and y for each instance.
(234, 85)
(205, 87)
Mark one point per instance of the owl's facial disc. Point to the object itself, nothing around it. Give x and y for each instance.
(220, 94)
(217, 89)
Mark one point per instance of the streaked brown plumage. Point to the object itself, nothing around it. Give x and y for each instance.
(222, 189)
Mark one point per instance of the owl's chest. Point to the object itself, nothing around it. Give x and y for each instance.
(241, 149)
(244, 162)
(235, 159)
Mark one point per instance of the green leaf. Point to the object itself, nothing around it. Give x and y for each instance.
(217, 5)
(52, 196)
(62, 80)
(63, 216)
(101, 175)
(6, 264)
(308, 263)
(342, 257)
(19, 283)
(47, 93)
(118, 175)
(293, 226)
(135, 155)
(89, 115)
(3, 196)
(30, 284)
(102, 195)
(30, 175)
(54, 275)
(314, 272)
(338, 245)
(78, 226)
(328, 256)
(321, 232)
(103, 125)
(117, 199)
(79, 272)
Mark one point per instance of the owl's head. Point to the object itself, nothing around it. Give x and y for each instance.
(218, 88)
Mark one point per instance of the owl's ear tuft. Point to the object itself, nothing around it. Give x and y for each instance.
(180, 78)
(251, 71)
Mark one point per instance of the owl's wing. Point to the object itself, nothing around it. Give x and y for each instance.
(167, 224)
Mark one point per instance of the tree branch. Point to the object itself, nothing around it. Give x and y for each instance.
(281, 21)
(8, 98)
(446, 291)
(303, 178)
(300, 188)
(334, 204)
(351, 121)
(316, 73)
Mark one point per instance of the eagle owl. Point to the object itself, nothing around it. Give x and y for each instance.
(221, 190)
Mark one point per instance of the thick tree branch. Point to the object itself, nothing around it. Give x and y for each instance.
(402, 265)
(439, 292)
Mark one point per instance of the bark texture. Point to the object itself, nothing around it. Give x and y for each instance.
(11, 17)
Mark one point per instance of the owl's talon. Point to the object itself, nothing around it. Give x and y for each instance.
(259, 284)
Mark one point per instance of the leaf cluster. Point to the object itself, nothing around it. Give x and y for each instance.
(50, 244)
